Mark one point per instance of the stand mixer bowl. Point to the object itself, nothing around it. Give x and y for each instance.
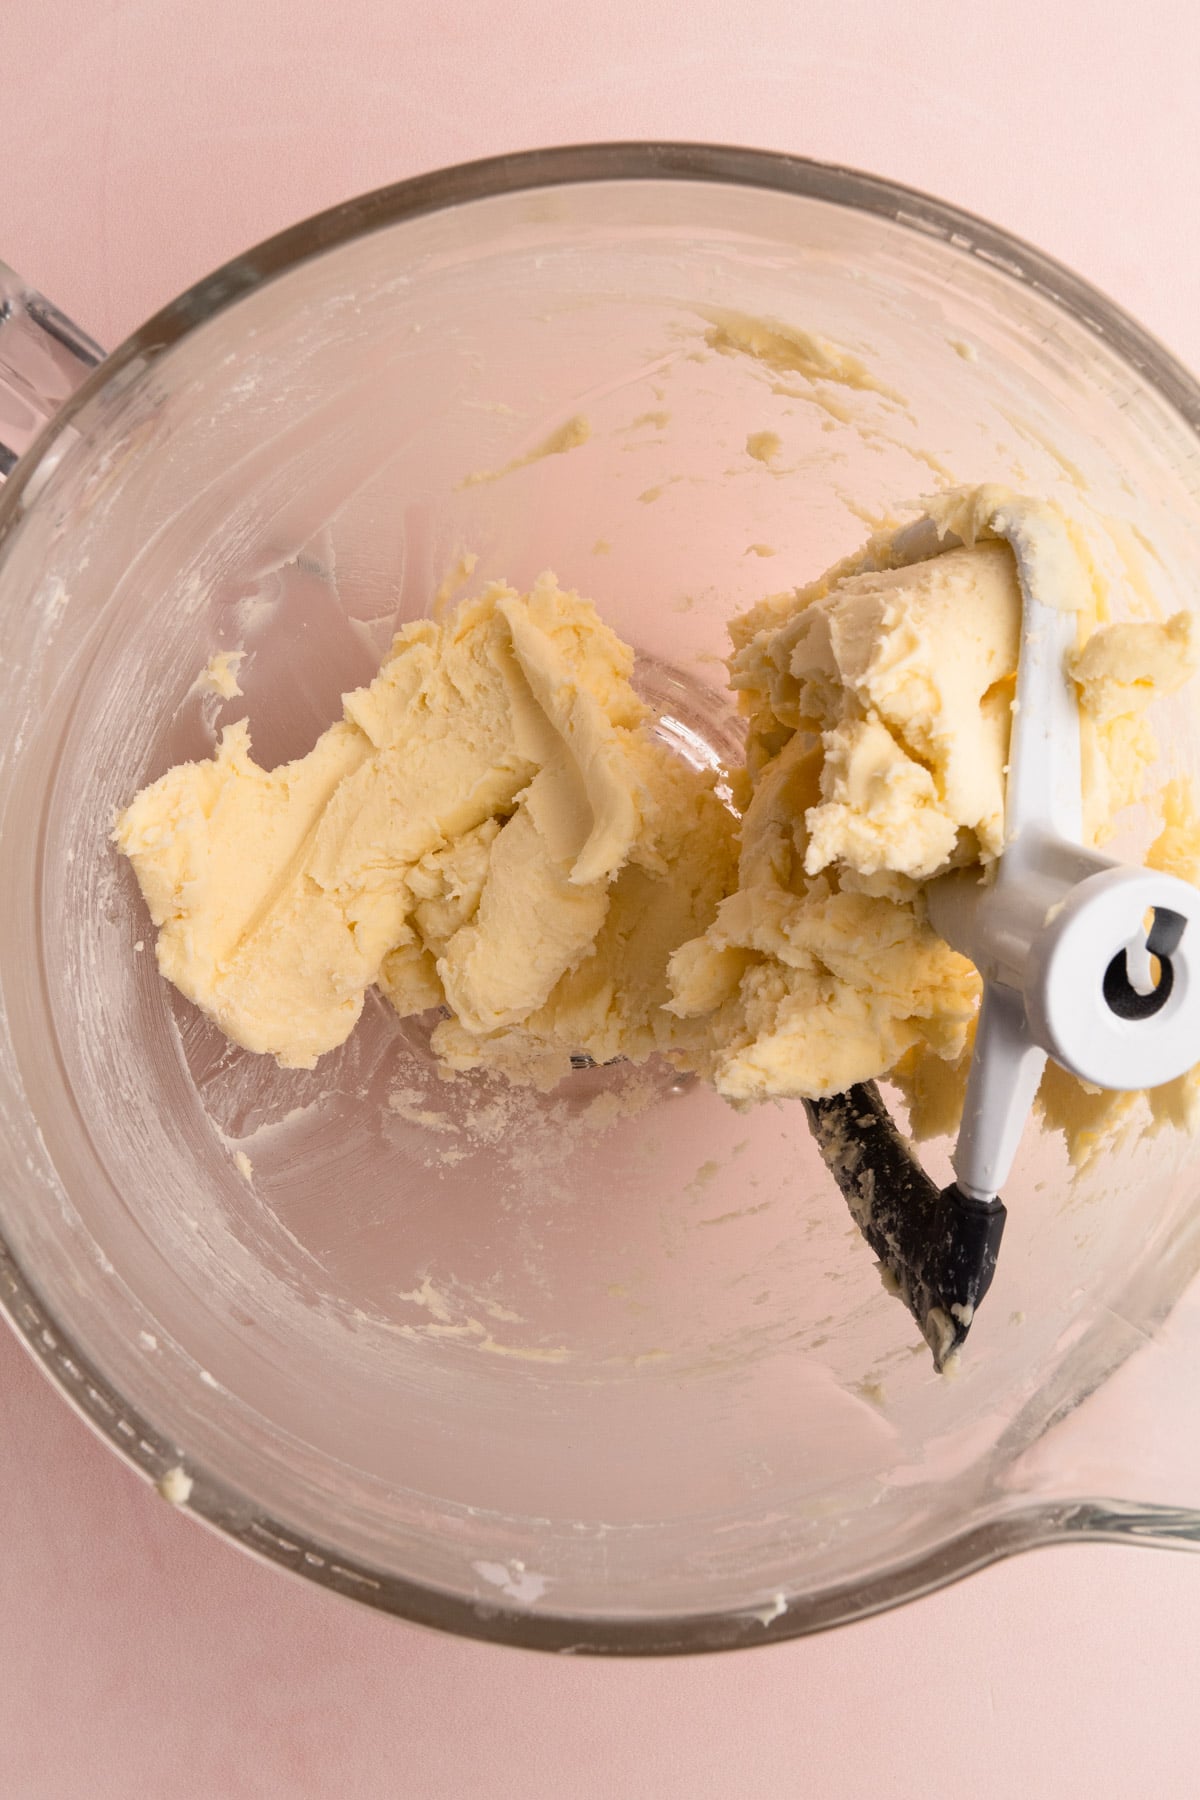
(609, 1368)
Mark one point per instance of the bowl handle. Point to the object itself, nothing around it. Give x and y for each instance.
(1124, 1464)
(43, 359)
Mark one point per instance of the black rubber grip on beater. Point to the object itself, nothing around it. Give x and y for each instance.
(938, 1246)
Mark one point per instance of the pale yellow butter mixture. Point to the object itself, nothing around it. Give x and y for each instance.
(492, 829)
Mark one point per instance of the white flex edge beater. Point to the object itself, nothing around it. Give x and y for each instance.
(1066, 939)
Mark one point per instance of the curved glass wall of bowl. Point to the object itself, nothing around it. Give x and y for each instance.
(601, 1369)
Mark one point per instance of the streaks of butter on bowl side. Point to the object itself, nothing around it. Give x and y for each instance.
(220, 675)
(453, 1316)
(764, 446)
(786, 350)
(569, 436)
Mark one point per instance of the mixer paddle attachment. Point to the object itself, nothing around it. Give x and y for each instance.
(1089, 961)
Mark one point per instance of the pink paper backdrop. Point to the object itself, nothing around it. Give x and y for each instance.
(143, 141)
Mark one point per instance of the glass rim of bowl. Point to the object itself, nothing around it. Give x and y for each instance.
(216, 1503)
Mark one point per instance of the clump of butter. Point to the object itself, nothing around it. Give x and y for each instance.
(880, 704)
(481, 830)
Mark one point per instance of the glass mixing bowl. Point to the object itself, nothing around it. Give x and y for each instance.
(610, 1368)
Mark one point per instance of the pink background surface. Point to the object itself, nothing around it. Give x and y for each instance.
(144, 141)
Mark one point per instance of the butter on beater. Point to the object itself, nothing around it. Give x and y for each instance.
(880, 702)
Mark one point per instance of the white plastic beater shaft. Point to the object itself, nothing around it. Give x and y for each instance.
(1047, 931)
